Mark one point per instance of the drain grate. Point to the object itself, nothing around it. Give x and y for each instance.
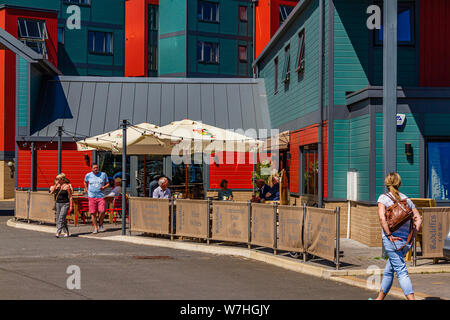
(153, 257)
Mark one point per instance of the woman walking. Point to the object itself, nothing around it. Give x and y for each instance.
(64, 203)
(395, 243)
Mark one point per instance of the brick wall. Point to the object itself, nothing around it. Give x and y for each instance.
(365, 225)
(6, 182)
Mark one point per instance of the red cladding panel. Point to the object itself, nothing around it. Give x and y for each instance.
(46, 164)
(238, 174)
(434, 44)
(308, 135)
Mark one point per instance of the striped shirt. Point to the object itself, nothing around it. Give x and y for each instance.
(403, 232)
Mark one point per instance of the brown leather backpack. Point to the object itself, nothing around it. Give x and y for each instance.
(397, 215)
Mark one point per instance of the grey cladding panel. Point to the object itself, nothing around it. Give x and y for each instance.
(90, 106)
(73, 100)
(127, 103)
(194, 102)
(99, 112)
(221, 107)
(140, 103)
(154, 104)
(248, 109)
(234, 106)
(86, 106)
(167, 104)
(113, 113)
(181, 106)
(207, 98)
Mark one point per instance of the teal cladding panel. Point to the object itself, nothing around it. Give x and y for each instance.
(340, 158)
(300, 96)
(437, 124)
(407, 167)
(22, 103)
(174, 53)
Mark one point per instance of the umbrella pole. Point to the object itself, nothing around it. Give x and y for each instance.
(124, 175)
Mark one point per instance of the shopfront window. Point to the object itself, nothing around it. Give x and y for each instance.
(149, 166)
(439, 170)
(112, 165)
(310, 169)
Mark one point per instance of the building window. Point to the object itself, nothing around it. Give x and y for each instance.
(33, 33)
(152, 59)
(100, 42)
(285, 11)
(439, 170)
(287, 64)
(85, 2)
(310, 161)
(208, 11)
(405, 26)
(153, 17)
(207, 52)
(243, 14)
(61, 35)
(301, 53)
(242, 53)
(276, 75)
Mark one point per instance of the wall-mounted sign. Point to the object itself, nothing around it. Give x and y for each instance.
(400, 120)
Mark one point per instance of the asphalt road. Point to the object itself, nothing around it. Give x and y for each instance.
(33, 266)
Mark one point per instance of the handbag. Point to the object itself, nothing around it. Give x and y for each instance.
(54, 206)
(397, 215)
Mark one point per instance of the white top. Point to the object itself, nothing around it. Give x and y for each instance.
(403, 232)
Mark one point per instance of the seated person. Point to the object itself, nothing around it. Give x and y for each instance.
(224, 192)
(274, 193)
(163, 191)
(153, 184)
(263, 189)
(117, 190)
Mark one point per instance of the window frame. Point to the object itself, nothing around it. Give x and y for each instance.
(301, 57)
(97, 52)
(280, 23)
(63, 35)
(202, 60)
(31, 41)
(239, 53)
(202, 18)
(286, 75)
(276, 66)
(78, 2)
(413, 21)
(241, 19)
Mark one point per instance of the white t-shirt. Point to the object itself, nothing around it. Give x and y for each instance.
(403, 232)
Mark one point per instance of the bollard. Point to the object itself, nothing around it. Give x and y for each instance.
(171, 218)
(249, 204)
(303, 233)
(414, 252)
(275, 233)
(338, 254)
(208, 226)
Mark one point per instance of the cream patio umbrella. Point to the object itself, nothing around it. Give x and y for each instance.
(194, 136)
(140, 140)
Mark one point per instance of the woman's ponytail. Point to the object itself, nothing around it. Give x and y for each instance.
(393, 182)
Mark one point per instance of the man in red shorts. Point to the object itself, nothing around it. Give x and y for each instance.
(94, 184)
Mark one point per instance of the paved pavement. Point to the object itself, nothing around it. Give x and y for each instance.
(33, 266)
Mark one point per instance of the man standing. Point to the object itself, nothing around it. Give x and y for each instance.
(162, 192)
(94, 184)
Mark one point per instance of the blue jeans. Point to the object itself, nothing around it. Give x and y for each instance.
(396, 263)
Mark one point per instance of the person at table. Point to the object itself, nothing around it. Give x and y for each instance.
(163, 191)
(117, 190)
(63, 203)
(274, 193)
(153, 184)
(95, 183)
(224, 192)
(263, 189)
